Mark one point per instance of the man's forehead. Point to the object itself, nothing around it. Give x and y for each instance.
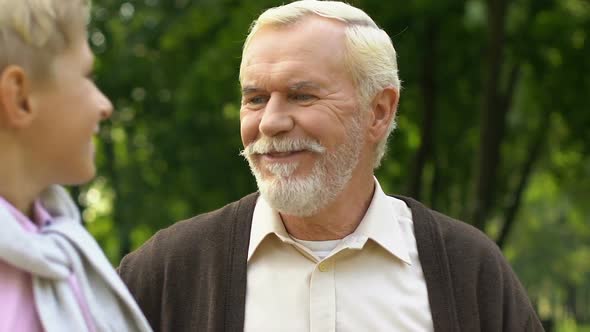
(285, 57)
(290, 85)
(306, 36)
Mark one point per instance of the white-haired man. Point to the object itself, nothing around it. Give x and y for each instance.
(322, 248)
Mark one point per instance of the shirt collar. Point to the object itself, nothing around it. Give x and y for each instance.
(265, 221)
(381, 224)
(41, 217)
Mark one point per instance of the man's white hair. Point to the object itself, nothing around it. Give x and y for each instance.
(370, 56)
(34, 32)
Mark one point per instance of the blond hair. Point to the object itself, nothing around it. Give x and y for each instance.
(370, 55)
(34, 32)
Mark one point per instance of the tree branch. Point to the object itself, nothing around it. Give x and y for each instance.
(527, 167)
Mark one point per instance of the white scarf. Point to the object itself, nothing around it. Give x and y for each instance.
(53, 255)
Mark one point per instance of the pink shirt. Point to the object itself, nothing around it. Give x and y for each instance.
(19, 313)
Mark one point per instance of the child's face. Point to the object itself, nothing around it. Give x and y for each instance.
(69, 110)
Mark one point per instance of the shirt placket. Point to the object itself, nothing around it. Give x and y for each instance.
(322, 297)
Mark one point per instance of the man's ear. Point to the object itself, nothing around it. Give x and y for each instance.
(15, 110)
(383, 109)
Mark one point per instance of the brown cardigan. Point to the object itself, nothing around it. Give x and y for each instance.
(192, 275)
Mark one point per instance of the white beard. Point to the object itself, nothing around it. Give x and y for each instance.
(304, 196)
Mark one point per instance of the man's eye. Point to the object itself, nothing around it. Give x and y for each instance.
(302, 97)
(257, 100)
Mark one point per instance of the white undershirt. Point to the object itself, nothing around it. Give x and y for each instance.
(320, 248)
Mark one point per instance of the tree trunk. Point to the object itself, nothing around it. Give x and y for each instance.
(493, 116)
(428, 87)
(436, 185)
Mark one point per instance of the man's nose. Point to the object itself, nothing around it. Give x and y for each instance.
(276, 118)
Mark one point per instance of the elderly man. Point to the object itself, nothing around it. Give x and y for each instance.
(321, 247)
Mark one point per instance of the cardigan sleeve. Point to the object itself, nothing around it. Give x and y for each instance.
(175, 279)
(142, 272)
(191, 276)
(489, 297)
(502, 298)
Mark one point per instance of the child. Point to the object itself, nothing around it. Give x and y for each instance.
(53, 275)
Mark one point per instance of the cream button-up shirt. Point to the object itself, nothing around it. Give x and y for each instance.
(371, 281)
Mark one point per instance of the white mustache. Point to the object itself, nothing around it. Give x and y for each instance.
(283, 144)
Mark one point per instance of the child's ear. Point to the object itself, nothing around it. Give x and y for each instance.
(15, 111)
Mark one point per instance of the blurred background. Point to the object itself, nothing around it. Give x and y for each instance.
(492, 125)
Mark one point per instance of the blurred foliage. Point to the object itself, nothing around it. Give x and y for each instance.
(171, 149)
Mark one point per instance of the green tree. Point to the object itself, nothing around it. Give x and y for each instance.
(492, 123)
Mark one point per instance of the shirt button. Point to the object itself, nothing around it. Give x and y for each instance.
(324, 267)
